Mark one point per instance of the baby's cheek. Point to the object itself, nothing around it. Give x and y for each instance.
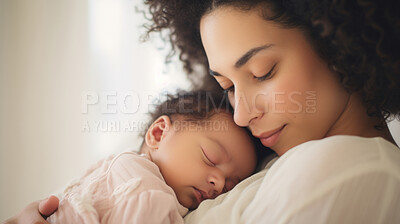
(229, 185)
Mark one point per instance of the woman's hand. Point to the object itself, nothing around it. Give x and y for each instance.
(36, 212)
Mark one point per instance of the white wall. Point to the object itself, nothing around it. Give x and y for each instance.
(53, 52)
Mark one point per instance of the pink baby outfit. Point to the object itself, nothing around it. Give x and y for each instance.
(127, 188)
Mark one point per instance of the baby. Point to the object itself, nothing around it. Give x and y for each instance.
(192, 151)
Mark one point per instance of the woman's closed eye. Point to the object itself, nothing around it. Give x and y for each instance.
(230, 89)
(267, 76)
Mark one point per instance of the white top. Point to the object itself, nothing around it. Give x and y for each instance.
(340, 179)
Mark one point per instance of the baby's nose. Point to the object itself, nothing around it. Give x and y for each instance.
(217, 182)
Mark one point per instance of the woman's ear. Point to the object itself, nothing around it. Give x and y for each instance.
(157, 131)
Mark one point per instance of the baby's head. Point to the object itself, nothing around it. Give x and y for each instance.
(199, 149)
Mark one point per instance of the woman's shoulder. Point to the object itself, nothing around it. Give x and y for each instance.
(344, 179)
(337, 160)
(346, 148)
(349, 141)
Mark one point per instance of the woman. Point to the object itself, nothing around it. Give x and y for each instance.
(315, 81)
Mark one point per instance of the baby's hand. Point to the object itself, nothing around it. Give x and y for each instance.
(36, 212)
(48, 206)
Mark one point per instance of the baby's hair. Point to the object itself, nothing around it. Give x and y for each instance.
(200, 105)
(191, 106)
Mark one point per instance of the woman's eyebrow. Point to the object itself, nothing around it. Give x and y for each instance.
(245, 58)
(250, 53)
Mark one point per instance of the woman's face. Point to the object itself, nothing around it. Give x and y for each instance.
(277, 84)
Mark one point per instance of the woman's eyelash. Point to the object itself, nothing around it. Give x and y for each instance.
(229, 89)
(266, 76)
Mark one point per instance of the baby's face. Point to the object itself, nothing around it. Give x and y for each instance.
(202, 161)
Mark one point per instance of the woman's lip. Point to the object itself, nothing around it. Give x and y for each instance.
(270, 138)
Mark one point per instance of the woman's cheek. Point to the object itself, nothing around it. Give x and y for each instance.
(283, 97)
(298, 86)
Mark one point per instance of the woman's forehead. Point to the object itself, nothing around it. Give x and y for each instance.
(230, 34)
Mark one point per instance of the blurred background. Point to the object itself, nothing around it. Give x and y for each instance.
(76, 83)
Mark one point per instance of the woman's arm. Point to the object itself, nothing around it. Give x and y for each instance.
(36, 212)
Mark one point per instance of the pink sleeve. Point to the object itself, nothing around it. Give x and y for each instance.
(151, 206)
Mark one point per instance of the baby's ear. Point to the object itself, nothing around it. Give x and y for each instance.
(157, 131)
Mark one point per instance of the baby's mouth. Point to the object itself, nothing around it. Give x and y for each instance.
(200, 195)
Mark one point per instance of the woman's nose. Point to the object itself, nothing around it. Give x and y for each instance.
(245, 108)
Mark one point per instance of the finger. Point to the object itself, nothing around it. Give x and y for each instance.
(28, 215)
(48, 206)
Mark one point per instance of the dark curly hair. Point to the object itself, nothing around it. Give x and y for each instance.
(358, 39)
